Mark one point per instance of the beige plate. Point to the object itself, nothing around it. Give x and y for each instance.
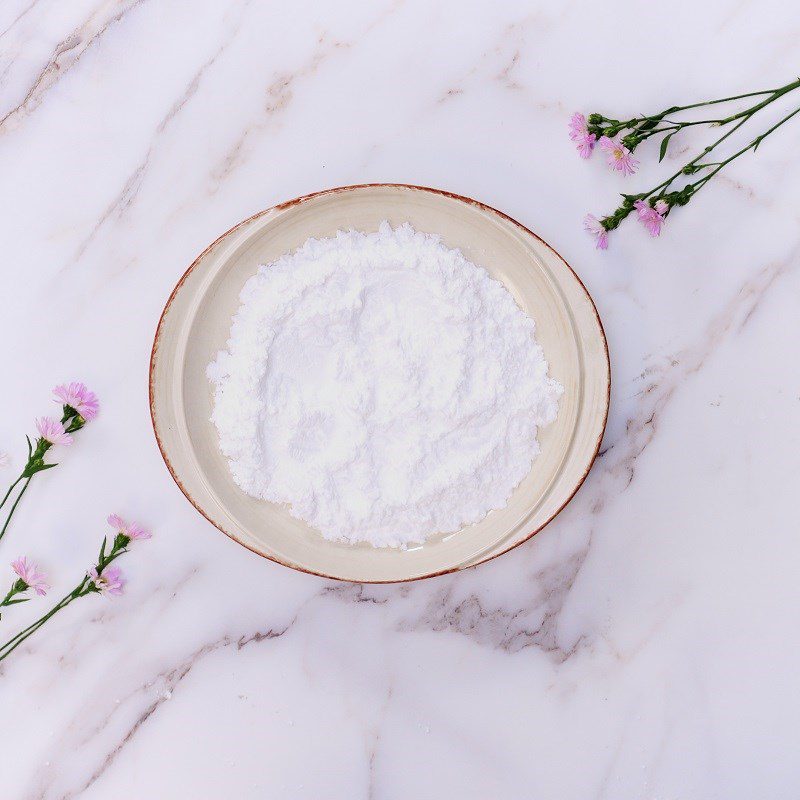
(196, 322)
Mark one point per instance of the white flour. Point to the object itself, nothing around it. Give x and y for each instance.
(383, 386)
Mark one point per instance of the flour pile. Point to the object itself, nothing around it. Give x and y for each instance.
(383, 386)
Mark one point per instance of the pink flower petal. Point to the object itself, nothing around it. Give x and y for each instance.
(110, 582)
(130, 529)
(595, 228)
(579, 133)
(619, 158)
(79, 397)
(51, 430)
(651, 217)
(116, 522)
(29, 573)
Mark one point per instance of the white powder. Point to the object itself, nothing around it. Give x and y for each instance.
(383, 386)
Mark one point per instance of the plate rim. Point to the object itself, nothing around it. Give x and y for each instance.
(336, 190)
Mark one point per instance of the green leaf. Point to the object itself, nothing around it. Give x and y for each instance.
(664, 142)
(30, 446)
(43, 467)
(18, 600)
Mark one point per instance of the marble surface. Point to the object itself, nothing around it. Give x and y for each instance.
(642, 646)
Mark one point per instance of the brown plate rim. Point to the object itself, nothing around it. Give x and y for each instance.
(337, 190)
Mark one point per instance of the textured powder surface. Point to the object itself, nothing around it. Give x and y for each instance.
(381, 385)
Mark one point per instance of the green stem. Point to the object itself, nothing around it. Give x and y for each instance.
(724, 100)
(81, 590)
(750, 111)
(613, 221)
(13, 507)
(11, 593)
(774, 94)
(13, 643)
(10, 489)
(17, 587)
(645, 127)
(752, 146)
(622, 213)
(704, 153)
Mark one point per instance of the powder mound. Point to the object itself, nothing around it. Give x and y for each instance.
(382, 386)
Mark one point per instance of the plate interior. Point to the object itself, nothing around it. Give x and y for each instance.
(196, 324)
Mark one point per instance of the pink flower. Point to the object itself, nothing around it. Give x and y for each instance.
(77, 396)
(132, 530)
(51, 430)
(593, 226)
(652, 217)
(109, 582)
(619, 158)
(29, 574)
(579, 133)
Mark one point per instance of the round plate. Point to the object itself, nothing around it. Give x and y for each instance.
(196, 323)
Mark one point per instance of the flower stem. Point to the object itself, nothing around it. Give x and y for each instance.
(17, 587)
(774, 94)
(722, 100)
(86, 586)
(644, 127)
(611, 222)
(10, 489)
(752, 146)
(683, 196)
(34, 464)
(7, 600)
(17, 640)
(14, 506)
(691, 163)
(748, 112)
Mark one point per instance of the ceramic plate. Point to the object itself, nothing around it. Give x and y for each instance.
(196, 322)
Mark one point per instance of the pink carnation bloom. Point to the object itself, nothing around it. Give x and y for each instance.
(579, 133)
(132, 530)
(592, 225)
(51, 430)
(109, 582)
(29, 573)
(652, 217)
(76, 394)
(618, 156)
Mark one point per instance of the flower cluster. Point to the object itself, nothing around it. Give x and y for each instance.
(110, 581)
(28, 573)
(106, 579)
(618, 156)
(52, 431)
(102, 578)
(579, 133)
(79, 405)
(619, 138)
(128, 530)
(28, 577)
(77, 400)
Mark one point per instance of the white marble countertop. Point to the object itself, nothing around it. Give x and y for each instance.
(642, 646)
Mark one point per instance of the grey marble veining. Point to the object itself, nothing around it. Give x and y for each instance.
(640, 647)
